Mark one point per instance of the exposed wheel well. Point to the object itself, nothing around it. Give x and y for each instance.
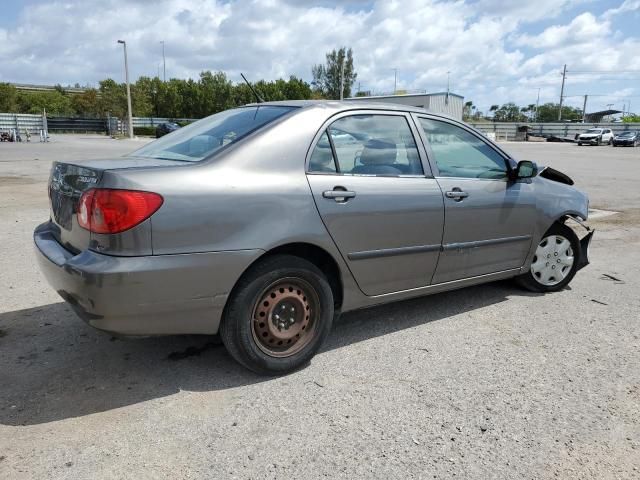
(320, 258)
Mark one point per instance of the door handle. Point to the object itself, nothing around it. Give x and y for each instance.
(456, 194)
(339, 194)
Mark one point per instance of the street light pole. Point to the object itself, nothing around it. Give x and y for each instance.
(126, 76)
(395, 80)
(164, 64)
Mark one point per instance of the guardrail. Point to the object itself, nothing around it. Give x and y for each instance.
(10, 122)
(508, 130)
(21, 122)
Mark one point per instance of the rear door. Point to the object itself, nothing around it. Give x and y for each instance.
(382, 208)
(489, 218)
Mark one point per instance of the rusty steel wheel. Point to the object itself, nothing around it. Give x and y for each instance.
(278, 316)
(285, 317)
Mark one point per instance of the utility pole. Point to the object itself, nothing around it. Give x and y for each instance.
(342, 79)
(164, 64)
(564, 76)
(609, 105)
(537, 104)
(584, 109)
(126, 76)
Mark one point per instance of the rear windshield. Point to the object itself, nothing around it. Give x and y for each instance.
(204, 137)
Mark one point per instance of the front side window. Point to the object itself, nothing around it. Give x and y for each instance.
(458, 153)
(204, 137)
(375, 145)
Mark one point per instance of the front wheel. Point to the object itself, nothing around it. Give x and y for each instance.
(555, 261)
(278, 316)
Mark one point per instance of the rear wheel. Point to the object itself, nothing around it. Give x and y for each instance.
(279, 315)
(555, 261)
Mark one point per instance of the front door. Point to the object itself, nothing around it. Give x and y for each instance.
(381, 209)
(489, 219)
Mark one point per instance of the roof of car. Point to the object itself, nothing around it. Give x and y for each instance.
(344, 105)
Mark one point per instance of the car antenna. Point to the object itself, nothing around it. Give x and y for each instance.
(258, 97)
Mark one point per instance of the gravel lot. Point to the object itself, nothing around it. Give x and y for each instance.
(485, 382)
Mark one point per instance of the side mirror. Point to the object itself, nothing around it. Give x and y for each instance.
(526, 169)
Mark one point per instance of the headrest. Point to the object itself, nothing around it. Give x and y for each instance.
(378, 152)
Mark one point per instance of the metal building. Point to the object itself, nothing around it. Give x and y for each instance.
(442, 102)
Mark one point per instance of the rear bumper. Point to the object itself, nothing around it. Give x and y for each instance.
(148, 295)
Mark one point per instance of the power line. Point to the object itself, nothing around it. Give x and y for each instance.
(595, 72)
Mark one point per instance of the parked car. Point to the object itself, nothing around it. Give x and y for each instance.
(256, 224)
(164, 128)
(596, 136)
(630, 138)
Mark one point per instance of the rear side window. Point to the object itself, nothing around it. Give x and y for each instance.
(458, 153)
(322, 160)
(204, 137)
(381, 145)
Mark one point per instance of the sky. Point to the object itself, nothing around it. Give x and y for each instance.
(492, 51)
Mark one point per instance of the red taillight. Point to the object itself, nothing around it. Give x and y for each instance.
(103, 210)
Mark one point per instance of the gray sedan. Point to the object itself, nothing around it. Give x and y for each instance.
(264, 222)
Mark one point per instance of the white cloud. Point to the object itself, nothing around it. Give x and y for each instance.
(481, 43)
(626, 6)
(585, 28)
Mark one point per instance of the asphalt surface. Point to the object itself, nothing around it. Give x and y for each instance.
(485, 382)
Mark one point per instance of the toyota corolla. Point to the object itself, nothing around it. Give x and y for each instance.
(264, 222)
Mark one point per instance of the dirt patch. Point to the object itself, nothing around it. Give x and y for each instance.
(630, 217)
(19, 180)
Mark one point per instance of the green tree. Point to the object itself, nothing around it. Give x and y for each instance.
(8, 98)
(87, 103)
(631, 119)
(549, 113)
(54, 102)
(467, 109)
(113, 98)
(509, 112)
(327, 78)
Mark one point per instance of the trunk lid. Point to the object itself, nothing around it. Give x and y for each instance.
(67, 183)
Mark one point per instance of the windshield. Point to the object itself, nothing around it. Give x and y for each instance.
(594, 130)
(626, 134)
(204, 137)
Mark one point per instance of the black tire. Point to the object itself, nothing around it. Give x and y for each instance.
(239, 326)
(599, 141)
(610, 141)
(530, 282)
(579, 144)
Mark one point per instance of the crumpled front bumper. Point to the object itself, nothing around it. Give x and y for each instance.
(585, 242)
